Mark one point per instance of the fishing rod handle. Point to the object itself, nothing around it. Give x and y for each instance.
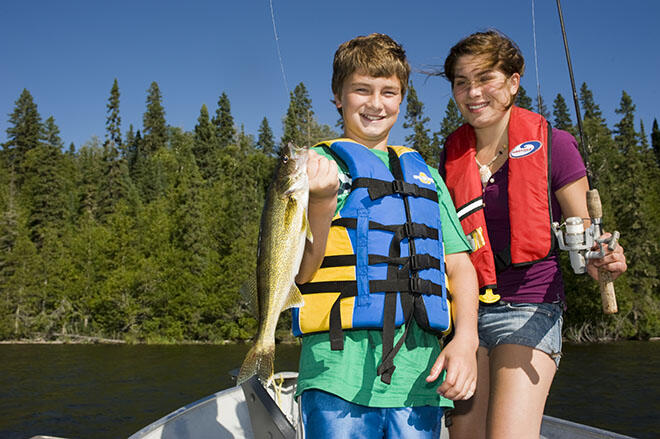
(607, 294)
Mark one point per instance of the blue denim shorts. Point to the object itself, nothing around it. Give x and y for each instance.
(537, 325)
(325, 415)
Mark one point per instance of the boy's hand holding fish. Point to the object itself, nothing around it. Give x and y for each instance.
(323, 186)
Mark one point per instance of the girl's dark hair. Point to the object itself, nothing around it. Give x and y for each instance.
(497, 50)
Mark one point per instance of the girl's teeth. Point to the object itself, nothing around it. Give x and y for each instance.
(476, 107)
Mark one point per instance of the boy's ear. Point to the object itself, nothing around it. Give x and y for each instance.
(337, 101)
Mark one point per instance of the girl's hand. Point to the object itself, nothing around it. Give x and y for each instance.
(614, 261)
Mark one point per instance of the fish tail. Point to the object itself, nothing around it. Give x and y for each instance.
(258, 361)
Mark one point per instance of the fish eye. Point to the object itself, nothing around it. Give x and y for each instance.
(285, 158)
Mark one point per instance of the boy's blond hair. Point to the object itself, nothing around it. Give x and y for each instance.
(375, 55)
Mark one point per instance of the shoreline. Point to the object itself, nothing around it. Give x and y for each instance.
(80, 339)
(83, 339)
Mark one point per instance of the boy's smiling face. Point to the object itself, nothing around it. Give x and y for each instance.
(369, 106)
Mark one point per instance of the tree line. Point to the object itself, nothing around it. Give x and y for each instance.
(149, 234)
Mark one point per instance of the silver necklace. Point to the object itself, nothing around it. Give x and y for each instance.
(484, 170)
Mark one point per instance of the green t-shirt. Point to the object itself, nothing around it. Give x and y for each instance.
(351, 372)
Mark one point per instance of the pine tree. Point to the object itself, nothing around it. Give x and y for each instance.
(90, 174)
(224, 122)
(643, 139)
(205, 145)
(655, 140)
(245, 141)
(190, 231)
(155, 127)
(419, 139)
(266, 142)
(113, 120)
(589, 107)
(131, 144)
(22, 287)
(52, 134)
(561, 114)
(626, 136)
(600, 148)
(541, 108)
(299, 117)
(450, 123)
(523, 100)
(24, 133)
(115, 184)
(148, 168)
(44, 190)
(9, 230)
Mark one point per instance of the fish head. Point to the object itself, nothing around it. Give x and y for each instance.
(292, 169)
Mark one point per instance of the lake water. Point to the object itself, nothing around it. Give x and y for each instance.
(110, 391)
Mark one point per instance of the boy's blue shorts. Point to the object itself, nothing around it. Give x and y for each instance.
(328, 416)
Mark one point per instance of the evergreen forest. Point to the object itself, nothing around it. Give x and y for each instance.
(148, 234)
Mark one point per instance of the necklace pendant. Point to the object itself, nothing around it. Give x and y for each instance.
(484, 174)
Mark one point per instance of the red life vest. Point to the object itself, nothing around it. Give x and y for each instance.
(530, 212)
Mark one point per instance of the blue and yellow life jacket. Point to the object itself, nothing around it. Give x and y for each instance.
(384, 261)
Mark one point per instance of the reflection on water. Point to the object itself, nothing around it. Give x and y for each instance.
(81, 391)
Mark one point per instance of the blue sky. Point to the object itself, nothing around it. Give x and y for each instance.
(67, 54)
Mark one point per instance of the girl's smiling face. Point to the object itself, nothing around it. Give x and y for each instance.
(483, 96)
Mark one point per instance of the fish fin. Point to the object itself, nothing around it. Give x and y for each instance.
(258, 361)
(248, 292)
(307, 228)
(294, 299)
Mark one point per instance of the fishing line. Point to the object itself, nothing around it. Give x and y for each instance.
(277, 45)
(536, 62)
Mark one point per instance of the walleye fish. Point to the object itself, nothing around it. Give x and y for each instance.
(284, 229)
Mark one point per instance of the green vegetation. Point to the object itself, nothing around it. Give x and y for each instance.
(148, 235)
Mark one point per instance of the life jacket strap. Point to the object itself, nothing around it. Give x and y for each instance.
(381, 188)
(386, 367)
(348, 288)
(416, 262)
(335, 329)
(401, 231)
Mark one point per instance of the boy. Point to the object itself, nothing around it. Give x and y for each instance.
(353, 380)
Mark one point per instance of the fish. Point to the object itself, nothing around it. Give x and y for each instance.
(283, 232)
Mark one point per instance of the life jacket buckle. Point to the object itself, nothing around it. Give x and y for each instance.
(416, 285)
(398, 186)
(408, 230)
(420, 262)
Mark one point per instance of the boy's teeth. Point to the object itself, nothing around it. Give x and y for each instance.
(367, 116)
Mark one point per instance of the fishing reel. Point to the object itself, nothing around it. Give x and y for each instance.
(579, 242)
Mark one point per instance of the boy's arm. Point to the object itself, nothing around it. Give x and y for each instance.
(323, 186)
(459, 357)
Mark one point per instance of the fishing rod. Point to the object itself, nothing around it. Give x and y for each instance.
(579, 241)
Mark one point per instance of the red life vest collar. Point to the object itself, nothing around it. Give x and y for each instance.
(530, 212)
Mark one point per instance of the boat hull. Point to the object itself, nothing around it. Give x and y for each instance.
(226, 415)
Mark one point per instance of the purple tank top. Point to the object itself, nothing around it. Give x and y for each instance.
(540, 282)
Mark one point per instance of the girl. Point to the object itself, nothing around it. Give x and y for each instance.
(510, 176)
